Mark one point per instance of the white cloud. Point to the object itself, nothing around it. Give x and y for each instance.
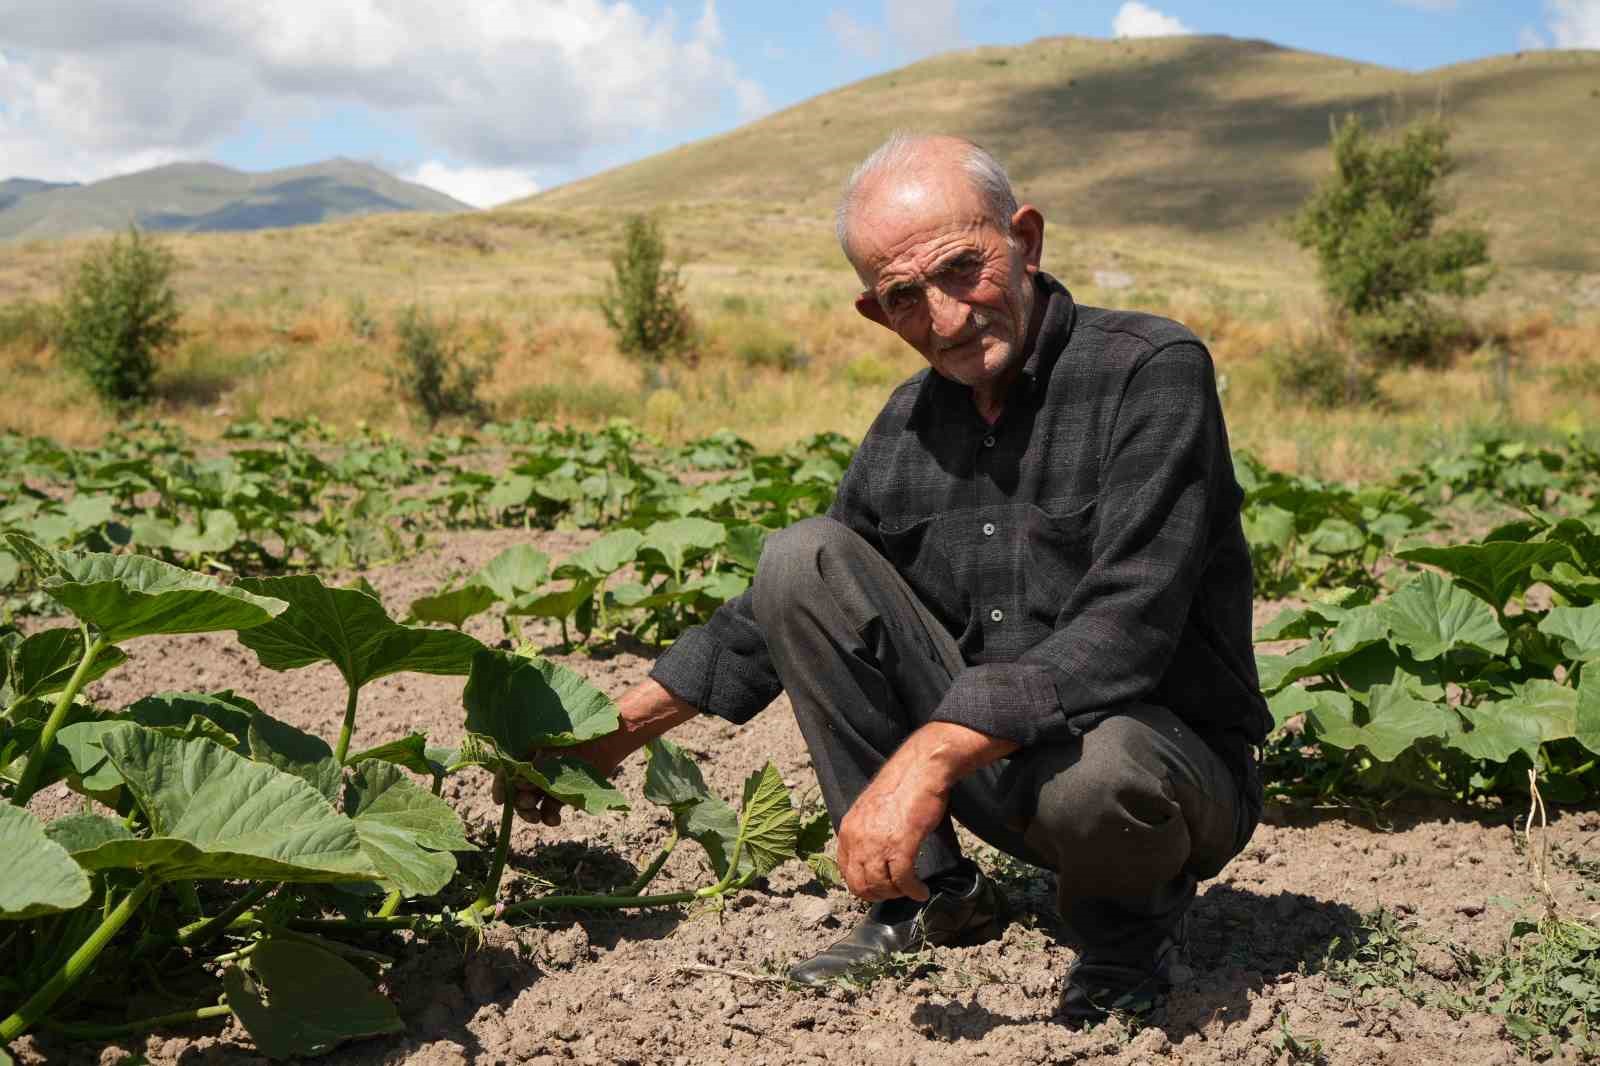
(478, 186)
(91, 87)
(1574, 23)
(923, 27)
(1134, 19)
(1531, 40)
(857, 38)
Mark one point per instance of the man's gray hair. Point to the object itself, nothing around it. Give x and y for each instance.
(988, 177)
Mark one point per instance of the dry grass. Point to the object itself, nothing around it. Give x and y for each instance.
(1169, 163)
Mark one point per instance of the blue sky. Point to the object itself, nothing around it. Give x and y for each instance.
(492, 99)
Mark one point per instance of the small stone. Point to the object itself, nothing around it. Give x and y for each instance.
(812, 911)
(1471, 910)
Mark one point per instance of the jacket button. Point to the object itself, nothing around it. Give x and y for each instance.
(988, 442)
(997, 615)
(988, 529)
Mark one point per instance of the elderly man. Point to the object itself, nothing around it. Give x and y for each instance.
(1028, 608)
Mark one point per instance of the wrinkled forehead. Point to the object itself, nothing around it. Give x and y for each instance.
(896, 212)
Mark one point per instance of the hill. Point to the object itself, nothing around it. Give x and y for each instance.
(1209, 141)
(205, 197)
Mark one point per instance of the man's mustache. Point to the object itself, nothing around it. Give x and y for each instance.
(980, 325)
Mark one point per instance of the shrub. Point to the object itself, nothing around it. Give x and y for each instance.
(1321, 372)
(643, 301)
(436, 369)
(870, 372)
(118, 314)
(1372, 226)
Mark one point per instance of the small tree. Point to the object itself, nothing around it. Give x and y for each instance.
(643, 302)
(118, 314)
(1372, 226)
(435, 370)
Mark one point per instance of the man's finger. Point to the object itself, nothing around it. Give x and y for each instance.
(903, 873)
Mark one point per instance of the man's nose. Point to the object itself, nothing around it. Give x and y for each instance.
(946, 314)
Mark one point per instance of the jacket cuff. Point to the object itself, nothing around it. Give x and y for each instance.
(700, 671)
(1010, 701)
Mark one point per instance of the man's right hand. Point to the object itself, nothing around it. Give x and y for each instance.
(647, 711)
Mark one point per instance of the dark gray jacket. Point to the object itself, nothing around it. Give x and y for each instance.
(1085, 550)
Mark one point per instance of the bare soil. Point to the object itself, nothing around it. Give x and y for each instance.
(684, 986)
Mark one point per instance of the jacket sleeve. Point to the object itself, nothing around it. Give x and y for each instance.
(1164, 479)
(724, 667)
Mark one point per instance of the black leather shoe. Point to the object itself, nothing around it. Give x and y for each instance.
(1099, 985)
(966, 915)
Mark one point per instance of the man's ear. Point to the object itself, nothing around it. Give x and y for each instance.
(1027, 229)
(869, 308)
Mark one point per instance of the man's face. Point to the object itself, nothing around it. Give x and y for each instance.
(940, 275)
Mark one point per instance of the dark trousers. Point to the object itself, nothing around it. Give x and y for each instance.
(1130, 816)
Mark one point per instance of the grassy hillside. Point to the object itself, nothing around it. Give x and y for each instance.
(1164, 167)
(1205, 141)
(205, 197)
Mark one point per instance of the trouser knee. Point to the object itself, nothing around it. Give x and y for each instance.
(788, 573)
(1107, 814)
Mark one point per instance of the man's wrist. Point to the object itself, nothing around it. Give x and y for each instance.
(946, 752)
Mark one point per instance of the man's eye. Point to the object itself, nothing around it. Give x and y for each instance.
(900, 299)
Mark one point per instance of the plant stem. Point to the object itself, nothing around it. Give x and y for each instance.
(76, 966)
(193, 936)
(347, 728)
(649, 872)
(47, 739)
(502, 843)
(82, 1031)
(391, 904)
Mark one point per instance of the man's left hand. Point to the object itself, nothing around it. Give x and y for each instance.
(879, 837)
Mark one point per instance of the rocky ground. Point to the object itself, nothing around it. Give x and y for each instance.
(696, 986)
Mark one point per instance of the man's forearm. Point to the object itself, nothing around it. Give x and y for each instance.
(648, 710)
(943, 753)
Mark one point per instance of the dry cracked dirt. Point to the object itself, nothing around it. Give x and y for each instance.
(687, 986)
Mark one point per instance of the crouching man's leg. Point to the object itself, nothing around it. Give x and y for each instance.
(865, 664)
(1131, 819)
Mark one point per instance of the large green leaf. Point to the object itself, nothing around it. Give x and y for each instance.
(215, 814)
(1495, 570)
(559, 604)
(1432, 615)
(745, 543)
(406, 831)
(1586, 722)
(313, 1001)
(1499, 729)
(350, 629)
(85, 832)
(769, 826)
(528, 704)
(514, 573)
(294, 751)
(126, 596)
(676, 538)
(40, 877)
(1289, 702)
(672, 780)
(1382, 664)
(1395, 721)
(1578, 629)
(231, 713)
(410, 751)
(454, 606)
(606, 555)
(43, 663)
(1550, 708)
(570, 780)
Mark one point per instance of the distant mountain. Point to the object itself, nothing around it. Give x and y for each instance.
(202, 197)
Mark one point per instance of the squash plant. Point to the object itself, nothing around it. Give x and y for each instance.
(299, 844)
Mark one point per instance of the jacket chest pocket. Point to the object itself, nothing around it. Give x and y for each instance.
(1057, 549)
(915, 548)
